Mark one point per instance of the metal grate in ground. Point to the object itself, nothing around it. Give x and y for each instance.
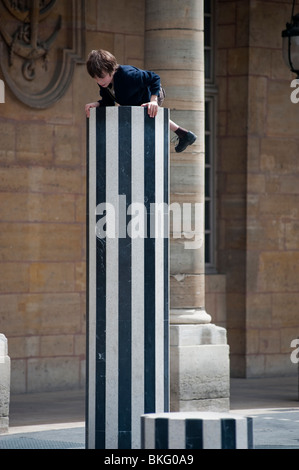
(65, 438)
(23, 442)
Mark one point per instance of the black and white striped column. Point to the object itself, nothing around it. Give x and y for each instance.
(196, 430)
(127, 286)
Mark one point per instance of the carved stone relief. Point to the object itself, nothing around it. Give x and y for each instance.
(40, 43)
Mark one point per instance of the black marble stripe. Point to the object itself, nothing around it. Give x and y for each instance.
(166, 262)
(161, 433)
(194, 434)
(228, 433)
(250, 432)
(100, 283)
(149, 268)
(124, 282)
(87, 347)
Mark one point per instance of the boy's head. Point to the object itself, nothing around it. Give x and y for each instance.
(100, 63)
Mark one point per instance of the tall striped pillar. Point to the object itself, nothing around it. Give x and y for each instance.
(127, 325)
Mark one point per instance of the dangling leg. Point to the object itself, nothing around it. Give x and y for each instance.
(173, 126)
(185, 137)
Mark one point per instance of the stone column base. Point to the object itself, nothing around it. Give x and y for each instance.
(199, 368)
(4, 385)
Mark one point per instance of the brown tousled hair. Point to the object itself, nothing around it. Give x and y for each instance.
(100, 62)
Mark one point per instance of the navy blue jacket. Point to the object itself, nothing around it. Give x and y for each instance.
(132, 87)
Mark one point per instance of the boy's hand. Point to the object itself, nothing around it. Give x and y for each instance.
(152, 108)
(90, 105)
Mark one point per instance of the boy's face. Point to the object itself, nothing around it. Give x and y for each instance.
(105, 80)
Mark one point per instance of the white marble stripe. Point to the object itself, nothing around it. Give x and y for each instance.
(149, 433)
(92, 281)
(241, 433)
(159, 259)
(137, 377)
(177, 434)
(112, 157)
(212, 434)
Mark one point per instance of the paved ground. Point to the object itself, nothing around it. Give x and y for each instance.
(274, 405)
(57, 420)
(276, 429)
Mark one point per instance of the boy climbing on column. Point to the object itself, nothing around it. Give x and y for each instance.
(130, 86)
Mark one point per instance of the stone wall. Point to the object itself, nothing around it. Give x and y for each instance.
(258, 186)
(42, 201)
(42, 206)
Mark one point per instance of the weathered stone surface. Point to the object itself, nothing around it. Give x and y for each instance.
(199, 368)
(257, 213)
(4, 384)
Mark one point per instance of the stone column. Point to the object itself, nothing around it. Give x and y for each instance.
(128, 276)
(4, 385)
(199, 365)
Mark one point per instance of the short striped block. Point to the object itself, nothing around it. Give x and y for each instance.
(196, 430)
(127, 285)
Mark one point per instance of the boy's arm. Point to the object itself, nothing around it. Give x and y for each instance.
(152, 106)
(152, 80)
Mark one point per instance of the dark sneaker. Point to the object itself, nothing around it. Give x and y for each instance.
(188, 139)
